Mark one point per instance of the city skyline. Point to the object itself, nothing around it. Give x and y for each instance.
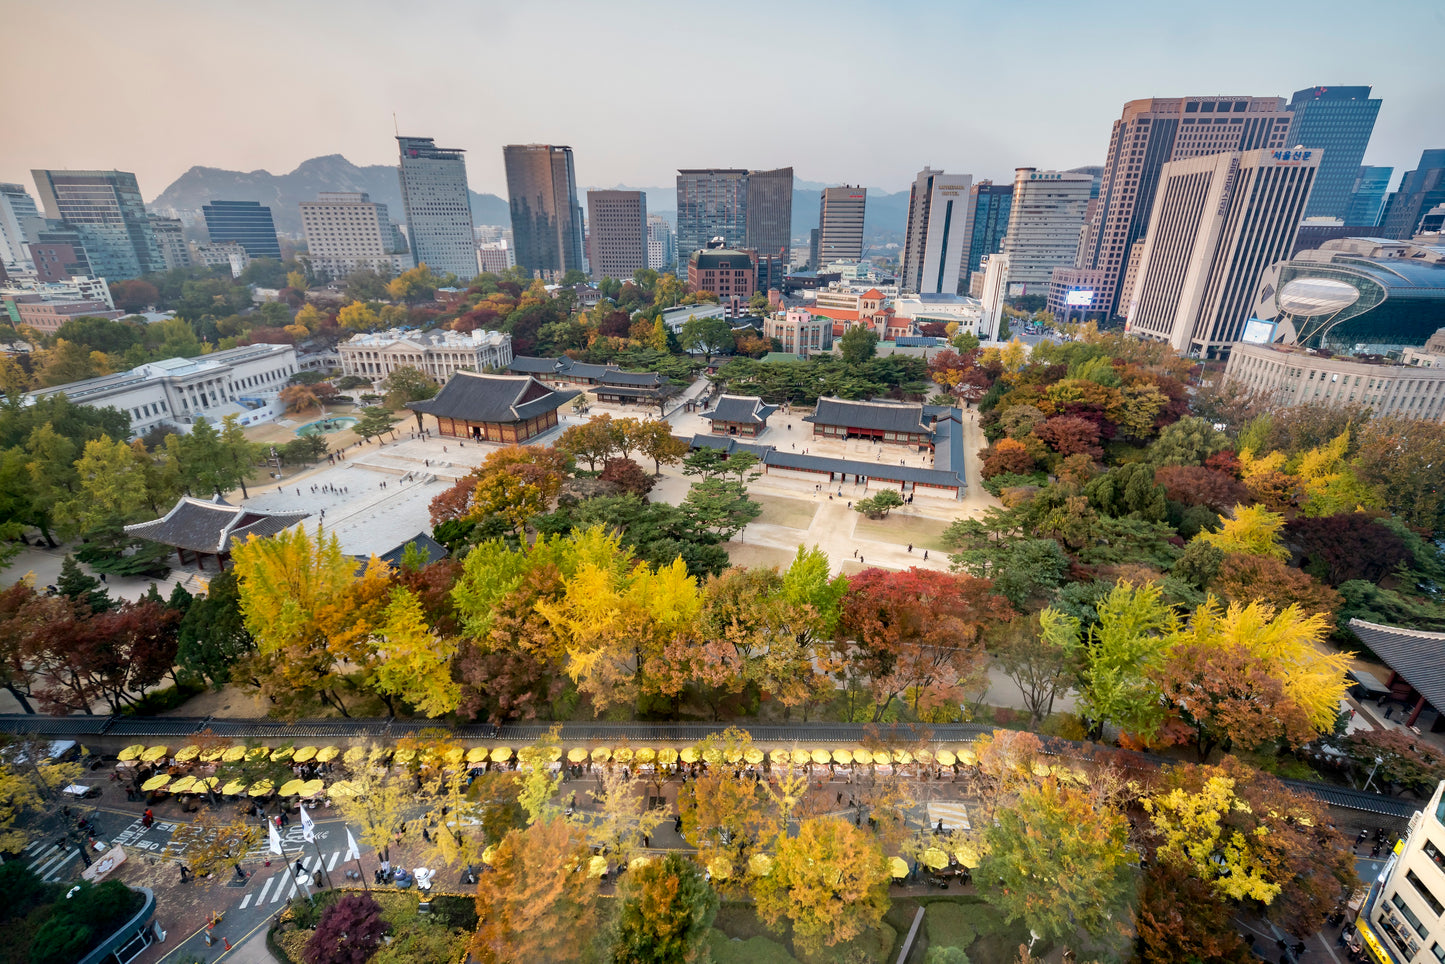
(1041, 116)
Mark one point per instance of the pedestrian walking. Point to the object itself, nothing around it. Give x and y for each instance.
(925, 555)
(147, 819)
(910, 547)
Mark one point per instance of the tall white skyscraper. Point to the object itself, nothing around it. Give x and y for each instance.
(17, 208)
(1044, 224)
(1218, 221)
(938, 232)
(438, 207)
(347, 231)
(840, 224)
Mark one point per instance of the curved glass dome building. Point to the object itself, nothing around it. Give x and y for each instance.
(1358, 291)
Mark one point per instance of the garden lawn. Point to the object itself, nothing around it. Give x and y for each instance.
(923, 532)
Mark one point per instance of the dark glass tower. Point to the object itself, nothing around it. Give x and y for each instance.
(991, 205)
(1338, 121)
(546, 218)
(711, 203)
(106, 209)
(247, 223)
(1419, 191)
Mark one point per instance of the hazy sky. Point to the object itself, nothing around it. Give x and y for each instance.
(844, 91)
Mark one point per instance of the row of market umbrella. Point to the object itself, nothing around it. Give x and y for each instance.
(231, 754)
(753, 755)
(260, 788)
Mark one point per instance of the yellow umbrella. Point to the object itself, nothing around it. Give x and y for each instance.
(667, 756)
(403, 756)
(206, 783)
(311, 788)
(354, 756)
(801, 757)
(153, 754)
(131, 752)
(232, 753)
(844, 757)
(183, 785)
(327, 753)
(477, 754)
(753, 755)
(720, 867)
(946, 758)
(637, 863)
(601, 754)
(305, 753)
(967, 855)
(501, 754)
(257, 752)
(688, 754)
(897, 867)
(902, 757)
(576, 755)
(862, 757)
(597, 866)
(282, 754)
(967, 757)
(261, 787)
(645, 755)
(780, 758)
(934, 859)
(344, 788)
(213, 754)
(233, 788)
(733, 754)
(925, 756)
(760, 865)
(156, 782)
(623, 754)
(186, 754)
(882, 757)
(488, 854)
(554, 753)
(821, 757)
(712, 755)
(455, 754)
(291, 788)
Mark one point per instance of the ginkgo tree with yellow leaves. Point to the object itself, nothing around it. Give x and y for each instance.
(1252, 530)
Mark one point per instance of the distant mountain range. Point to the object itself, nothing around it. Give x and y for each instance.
(885, 217)
(283, 192)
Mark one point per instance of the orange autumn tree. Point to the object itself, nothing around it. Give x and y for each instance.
(537, 902)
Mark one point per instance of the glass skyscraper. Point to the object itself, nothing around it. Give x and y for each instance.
(1337, 121)
(438, 207)
(546, 218)
(711, 203)
(991, 205)
(1367, 200)
(1419, 191)
(106, 210)
(247, 223)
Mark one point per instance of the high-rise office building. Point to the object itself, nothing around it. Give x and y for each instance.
(661, 244)
(347, 231)
(937, 234)
(19, 218)
(1337, 121)
(1419, 191)
(616, 233)
(840, 223)
(815, 249)
(991, 205)
(170, 235)
(107, 210)
(546, 218)
(1218, 222)
(1149, 134)
(1367, 197)
(58, 252)
(248, 223)
(438, 207)
(711, 203)
(770, 213)
(1045, 218)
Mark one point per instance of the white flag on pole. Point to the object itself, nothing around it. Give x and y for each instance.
(308, 827)
(274, 837)
(353, 852)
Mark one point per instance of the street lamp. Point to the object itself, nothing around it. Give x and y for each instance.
(1378, 761)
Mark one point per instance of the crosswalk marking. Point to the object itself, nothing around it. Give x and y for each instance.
(245, 901)
(264, 888)
(953, 815)
(331, 864)
(55, 871)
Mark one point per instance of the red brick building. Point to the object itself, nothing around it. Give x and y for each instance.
(730, 274)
